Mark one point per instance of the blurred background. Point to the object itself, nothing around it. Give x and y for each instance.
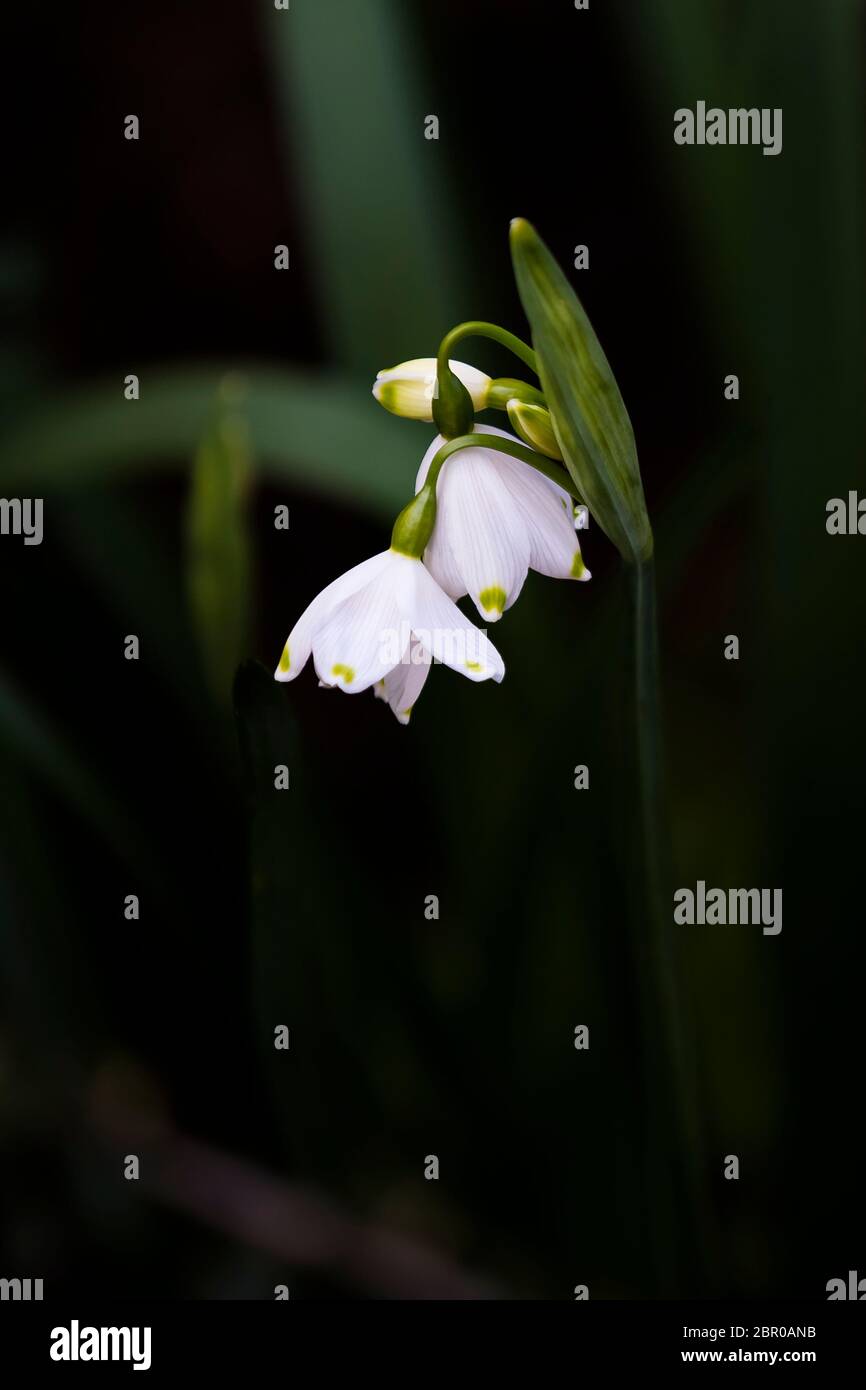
(410, 1037)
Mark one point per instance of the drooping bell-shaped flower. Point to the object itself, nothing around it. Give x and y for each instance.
(497, 518)
(383, 621)
(408, 389)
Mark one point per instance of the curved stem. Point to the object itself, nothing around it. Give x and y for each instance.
(479, 440)
(476, 328)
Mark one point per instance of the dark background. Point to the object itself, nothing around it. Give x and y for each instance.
(411, 1037)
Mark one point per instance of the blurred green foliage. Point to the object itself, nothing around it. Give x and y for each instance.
(451, 1037)
(218, 561)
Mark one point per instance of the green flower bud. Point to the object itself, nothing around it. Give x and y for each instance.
(534, 425)
(408, 389)
(505, 388)
(589, 416)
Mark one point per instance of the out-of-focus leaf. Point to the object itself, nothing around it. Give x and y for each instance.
(588, 412)
(317, 432)
(218, 542)
(297, 953)
(348, 85)
(129, 558)
(27, 737)
(50, 993)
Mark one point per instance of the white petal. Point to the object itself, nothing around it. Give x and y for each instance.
(439, 555)
(440, 561)
(476, 383)
(549, 520)
(403, 685)
(485, 530)
(426, 461)
(441, 628)
(299, 643)
(539, 481)
(362, 638)
(548, 514)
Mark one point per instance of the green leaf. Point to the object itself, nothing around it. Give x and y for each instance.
(28, 739)
(311, 430)
(383, 239)
(589, 415)
(218, 543)
(301, 970)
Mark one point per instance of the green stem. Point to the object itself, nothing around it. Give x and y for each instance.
(479, 440)
(475, 328)
(678, 1181)
(648, 723)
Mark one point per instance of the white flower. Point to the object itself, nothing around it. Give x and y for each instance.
(407, 390)
(383, 621)
(497, 518)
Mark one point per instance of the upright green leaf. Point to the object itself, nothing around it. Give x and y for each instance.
(218, 545)
(381, 234)
(589, 415)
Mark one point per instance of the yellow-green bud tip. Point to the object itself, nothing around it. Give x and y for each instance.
(520, 227)
(535, 427)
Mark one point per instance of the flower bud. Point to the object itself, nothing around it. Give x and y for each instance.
(535, 427)
(506, 388)
(408, 389)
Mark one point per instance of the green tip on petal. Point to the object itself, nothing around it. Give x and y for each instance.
(474, 666)
(578, 568)
(346, 672)
(492, 601)
(284, 659)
